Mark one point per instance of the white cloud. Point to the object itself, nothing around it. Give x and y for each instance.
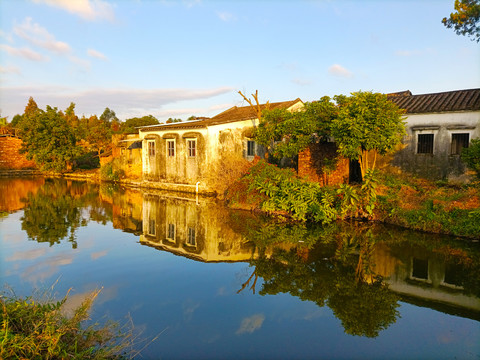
(9, 70)
(39, 36)
(251, 324)
(96, 54)
(225, 16)
(125, 102)
(81, 63)
(339, 70)
(24, 52)
(90, 10)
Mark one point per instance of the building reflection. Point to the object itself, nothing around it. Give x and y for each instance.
(192, 228)
(440, 277)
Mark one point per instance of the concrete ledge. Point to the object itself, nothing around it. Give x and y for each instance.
(19, 172)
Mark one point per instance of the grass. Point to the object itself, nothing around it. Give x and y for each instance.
(36, 327)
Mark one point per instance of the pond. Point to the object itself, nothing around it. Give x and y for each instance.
(214, 283)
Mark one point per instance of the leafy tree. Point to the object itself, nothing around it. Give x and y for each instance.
(47, 137)
(286, 133)
(173, 120)
(98, 134)
(367, 122)
(471, 156)
(128, 127)
(465, 20)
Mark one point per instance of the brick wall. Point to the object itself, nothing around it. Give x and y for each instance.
(319, 163)
(10, 157)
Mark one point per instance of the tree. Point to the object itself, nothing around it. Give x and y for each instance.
(130, 125)
(286, 133)
(173, 120)
(47, 138)
(367, 123)
(98, 135)
(471, 156)
(465, 20)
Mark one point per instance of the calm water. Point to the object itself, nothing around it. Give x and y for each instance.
(221, 284)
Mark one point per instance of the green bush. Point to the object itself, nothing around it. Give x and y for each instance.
(285, 192)
(33, 329)
(471, 156)
(109, 173)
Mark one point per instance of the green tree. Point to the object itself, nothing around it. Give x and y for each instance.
(130, 125)
(98, 135)
(465, 20)
(173, 120)
(47, 138)
(286, 133)
(471, 156)
(367, 123)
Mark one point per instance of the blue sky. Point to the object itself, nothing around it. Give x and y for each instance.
(182, 58)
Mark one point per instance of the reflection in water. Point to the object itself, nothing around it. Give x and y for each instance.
(360, 271)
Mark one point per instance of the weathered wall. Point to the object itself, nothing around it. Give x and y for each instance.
(10, 157)
(440, 164)
(319, 163)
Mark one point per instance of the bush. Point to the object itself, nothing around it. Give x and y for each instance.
(471, 156)
(32, 329)
(109, 173)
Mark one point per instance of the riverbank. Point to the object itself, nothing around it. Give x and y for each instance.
(401, 200)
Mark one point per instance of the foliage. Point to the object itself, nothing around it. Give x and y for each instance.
(365, 308)
(367, 122)
(287, 194)
(471, 156)
(130, 125)
(36, 329)
(465, 20)
(47, 138)
(53, 214)
(173, 120)
(286, 133)
(108, 172)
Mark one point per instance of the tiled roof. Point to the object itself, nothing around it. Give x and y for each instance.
(246, 112)
(458, 100)
(233, 114)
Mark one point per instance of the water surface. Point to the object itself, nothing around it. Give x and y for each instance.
(221, 284)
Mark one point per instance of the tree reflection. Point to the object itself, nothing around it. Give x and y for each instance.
(55, 212)
(328, 266)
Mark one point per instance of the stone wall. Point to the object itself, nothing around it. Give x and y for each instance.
(320, 163)
(10, 157)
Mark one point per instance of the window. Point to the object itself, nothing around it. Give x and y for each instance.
(192, 148)
(459, 141)
(250, 148)
(151, 148)
(151, 227)
(170, 148)
(171, 232)
(191, 237)
(419, 269)
(425, 144)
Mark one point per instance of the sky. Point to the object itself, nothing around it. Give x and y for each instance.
(191, 57)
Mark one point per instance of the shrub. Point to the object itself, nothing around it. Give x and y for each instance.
(471, 156)
(32, 329)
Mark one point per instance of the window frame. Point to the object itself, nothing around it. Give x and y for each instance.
(456, 146)
(171, 150)
(151, 147)
(425, 148)
(191, 239)
(251, 145)
(192, 150)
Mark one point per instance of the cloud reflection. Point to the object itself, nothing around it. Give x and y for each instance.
(251, 324)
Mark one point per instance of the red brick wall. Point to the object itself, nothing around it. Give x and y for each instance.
(319, 163)
(10, 157)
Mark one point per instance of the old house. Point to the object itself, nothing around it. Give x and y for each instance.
(199, 153)
(438, 126)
